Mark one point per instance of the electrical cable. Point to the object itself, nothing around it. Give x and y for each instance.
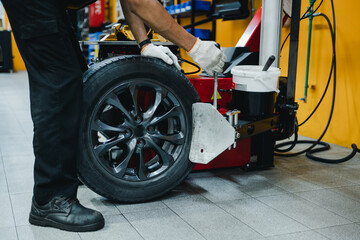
(310, 150)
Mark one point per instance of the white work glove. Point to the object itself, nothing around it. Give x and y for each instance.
(161, 52)
(208, 56)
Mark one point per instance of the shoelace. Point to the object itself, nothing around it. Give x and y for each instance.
(66, 200)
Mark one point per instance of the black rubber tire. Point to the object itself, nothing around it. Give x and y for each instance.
(97, 82)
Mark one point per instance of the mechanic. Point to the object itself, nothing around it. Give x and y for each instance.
(55, 66)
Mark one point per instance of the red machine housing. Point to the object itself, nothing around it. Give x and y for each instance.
(236, 157)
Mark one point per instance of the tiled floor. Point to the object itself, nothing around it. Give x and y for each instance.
(296, 200)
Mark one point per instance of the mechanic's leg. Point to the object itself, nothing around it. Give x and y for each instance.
(55, 76)
(55, 93)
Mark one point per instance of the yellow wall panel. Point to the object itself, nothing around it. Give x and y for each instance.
(344, 128)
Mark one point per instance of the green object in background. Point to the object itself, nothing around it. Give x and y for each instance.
(308, 50)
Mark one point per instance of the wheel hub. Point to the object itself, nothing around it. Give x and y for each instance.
(139, 131)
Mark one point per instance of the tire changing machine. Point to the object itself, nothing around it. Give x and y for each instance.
(255, 135)
(256, 131)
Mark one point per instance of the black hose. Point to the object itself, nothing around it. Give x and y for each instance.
(310, 155)
(325, 146)
(191, 63)
(302, 18)
(314, 143)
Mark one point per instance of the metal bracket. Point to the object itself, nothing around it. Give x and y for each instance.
(246, 129)
(211, 134)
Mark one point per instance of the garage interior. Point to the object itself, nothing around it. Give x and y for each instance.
(296, 198)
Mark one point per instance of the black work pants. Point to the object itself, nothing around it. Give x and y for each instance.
(44, 40)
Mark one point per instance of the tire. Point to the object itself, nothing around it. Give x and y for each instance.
(136, 128)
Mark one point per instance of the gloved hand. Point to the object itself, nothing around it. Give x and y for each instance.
(161, 52)
(208, 56)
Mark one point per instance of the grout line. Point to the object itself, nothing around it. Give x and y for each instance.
(133, 226)
(298, 233)
(238, 218)
(7, 186)
(327, 209)
(312, 203)
(341, 225)
(188, 223)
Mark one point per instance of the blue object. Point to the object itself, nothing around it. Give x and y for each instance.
(199, 5)
(186, 7)
(200, 33)
(202, 5)
(172, 9)
(177, 8)
(93, 48)
(183, 7)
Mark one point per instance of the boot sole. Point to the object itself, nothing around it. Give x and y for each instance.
(43, 222)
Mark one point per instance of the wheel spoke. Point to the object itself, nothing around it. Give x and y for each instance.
(166, 158)
(113, 100)
(176, 138)
(134, 91)
(100, 126)
(173, 112)
(142, 170)
(104, 147)
(121, 168)
(159, 96)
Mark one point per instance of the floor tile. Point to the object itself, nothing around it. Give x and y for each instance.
(309, 235)
(261, 217)
(20, 180)
(21, 204)
(345, 232)
(116, 228)
(14, 145)
(325, 178)
(140, 207)
(214, 223)
(350, 191)
(161, 224)
(255, 185)
(7, 218)
(94, 201)
(352, 175)
(209, 188)
(262, 189)
(183, 195)
(334, 202)
(303, 211)
(3, 182)
(295, 184)
(294, 162)
(8, 233)
(31, 232)
(16, 162)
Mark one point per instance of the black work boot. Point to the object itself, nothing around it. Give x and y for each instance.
(66, 214)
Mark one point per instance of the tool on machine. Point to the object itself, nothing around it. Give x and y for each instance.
(268, 63)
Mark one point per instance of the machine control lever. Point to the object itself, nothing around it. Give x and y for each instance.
(215, 83)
